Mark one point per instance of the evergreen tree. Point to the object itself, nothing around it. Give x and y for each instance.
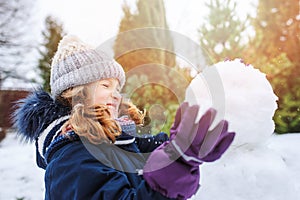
(146, 84)
(275, 51)
(52, 35)
(221, 34)
(277, 25)
(149, 14)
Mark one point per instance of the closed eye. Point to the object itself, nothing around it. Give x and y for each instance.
(110, 83)
(105, 85)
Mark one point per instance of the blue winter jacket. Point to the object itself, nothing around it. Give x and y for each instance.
(81, 170)
(77, 169)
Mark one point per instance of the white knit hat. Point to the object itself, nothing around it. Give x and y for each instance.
(76, 63)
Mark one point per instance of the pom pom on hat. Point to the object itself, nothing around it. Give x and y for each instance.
(76, 63)
(68, 46)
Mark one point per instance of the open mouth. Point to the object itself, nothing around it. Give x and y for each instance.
(113, 108)
(111, 105)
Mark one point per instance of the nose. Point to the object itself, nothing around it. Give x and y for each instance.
(116, 95)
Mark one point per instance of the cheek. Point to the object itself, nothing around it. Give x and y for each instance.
(99, 97)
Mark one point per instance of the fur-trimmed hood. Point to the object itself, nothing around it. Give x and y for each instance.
(35, 113)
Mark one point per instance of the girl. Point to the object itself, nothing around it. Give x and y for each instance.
(89, 152)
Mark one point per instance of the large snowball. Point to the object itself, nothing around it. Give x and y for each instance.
(240, 94)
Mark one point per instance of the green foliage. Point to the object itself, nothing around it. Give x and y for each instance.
(277, 25)
(221, 33)
(159, 99)
(170, 113)
(52, 35)
(275, 51)
(287, 117)
(278, 70)
(285, 83)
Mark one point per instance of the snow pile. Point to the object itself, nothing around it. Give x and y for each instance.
(250, 169)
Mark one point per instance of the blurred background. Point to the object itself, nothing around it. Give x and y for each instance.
(263, 33)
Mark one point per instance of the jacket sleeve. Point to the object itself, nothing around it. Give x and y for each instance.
(90, 179)
(148, 143)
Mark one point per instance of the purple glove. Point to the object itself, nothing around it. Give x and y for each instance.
(173, 168)
(201, 145)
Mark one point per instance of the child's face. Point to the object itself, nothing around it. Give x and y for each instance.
(106, 92)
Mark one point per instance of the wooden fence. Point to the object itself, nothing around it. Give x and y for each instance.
(8, 100)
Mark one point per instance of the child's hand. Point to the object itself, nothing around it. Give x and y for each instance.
(172, 168)
(195, 142)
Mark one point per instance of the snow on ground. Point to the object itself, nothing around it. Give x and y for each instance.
(258, 165)
(20, 178)
(266, 172)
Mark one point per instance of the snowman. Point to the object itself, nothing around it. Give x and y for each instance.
(250, 169)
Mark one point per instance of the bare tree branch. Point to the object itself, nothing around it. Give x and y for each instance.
(15, 44)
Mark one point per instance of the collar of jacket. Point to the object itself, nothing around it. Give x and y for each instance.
(50, 141)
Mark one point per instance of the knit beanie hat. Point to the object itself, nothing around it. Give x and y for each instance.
(76, 63)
